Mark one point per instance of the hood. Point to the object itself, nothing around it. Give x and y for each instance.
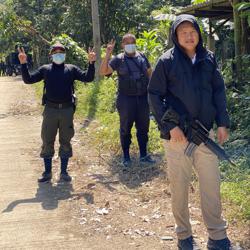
(183, 18)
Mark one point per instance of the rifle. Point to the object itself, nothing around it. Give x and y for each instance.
(196, 134)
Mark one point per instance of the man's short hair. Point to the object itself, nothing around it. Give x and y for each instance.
(128, 35)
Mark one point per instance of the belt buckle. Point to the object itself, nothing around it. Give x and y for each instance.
(60, 105)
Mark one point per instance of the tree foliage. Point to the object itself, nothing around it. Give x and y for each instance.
(39, 21)
(198, 1)
(150, 45)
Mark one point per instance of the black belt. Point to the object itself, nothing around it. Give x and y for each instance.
(59, 105)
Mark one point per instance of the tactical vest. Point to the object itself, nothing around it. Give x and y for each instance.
(127, 85)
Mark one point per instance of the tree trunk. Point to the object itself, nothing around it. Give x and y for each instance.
(245, 35)
(96, 34)
(237, 41)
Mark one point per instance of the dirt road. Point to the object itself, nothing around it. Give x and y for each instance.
(103, 208)
(32, 216)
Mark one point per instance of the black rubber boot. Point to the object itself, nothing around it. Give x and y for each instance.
(46, 175)
(64, 176)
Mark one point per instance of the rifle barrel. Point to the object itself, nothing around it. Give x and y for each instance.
(216, 149)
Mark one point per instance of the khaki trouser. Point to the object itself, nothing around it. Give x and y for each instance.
(57, 120)
(179, 171)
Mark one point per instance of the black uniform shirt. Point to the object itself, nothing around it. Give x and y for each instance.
(58, 79)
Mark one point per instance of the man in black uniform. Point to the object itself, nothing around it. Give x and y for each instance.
(59, 104)
(133, 71)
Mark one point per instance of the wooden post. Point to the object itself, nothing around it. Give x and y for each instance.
(96, 35)
(210, 38)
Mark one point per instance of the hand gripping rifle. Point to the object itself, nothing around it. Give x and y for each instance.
(196, 134)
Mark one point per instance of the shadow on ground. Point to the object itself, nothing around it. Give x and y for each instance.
(132, 177)
(49, 195)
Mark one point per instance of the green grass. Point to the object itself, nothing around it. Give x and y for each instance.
(235, 186)
(238, 194)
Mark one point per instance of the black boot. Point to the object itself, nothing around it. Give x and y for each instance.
(147, 160)
(143, 149)
(223, 244)
(64, 176)
(188, 244)
(144, 157)
(46, 175)
(126, 158)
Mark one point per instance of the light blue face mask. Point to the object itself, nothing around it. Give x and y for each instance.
(58, 58)
(130, 48)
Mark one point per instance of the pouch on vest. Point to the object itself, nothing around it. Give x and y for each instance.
(130, 86)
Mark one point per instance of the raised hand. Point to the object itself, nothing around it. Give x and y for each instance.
(91, 55)
(110, 47)
(21, 55)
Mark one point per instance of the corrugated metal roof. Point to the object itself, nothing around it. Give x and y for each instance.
(205, 4)
(161, 17)
(208, 6)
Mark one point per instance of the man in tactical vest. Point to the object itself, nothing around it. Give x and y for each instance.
(133, 71)
(59, 104)
(186, 82)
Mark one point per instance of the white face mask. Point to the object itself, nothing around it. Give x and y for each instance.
(130, 48)
(58, 58)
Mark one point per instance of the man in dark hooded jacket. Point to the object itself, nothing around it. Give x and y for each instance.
(187, 81)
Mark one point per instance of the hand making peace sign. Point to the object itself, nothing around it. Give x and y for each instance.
(22, 56)
(110, 47)
(91, 55)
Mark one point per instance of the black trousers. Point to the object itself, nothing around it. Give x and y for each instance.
(133, 109)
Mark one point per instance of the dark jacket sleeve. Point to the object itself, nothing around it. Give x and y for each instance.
(157, 92)
(33, 77)
(219, 98)
(85, 76)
